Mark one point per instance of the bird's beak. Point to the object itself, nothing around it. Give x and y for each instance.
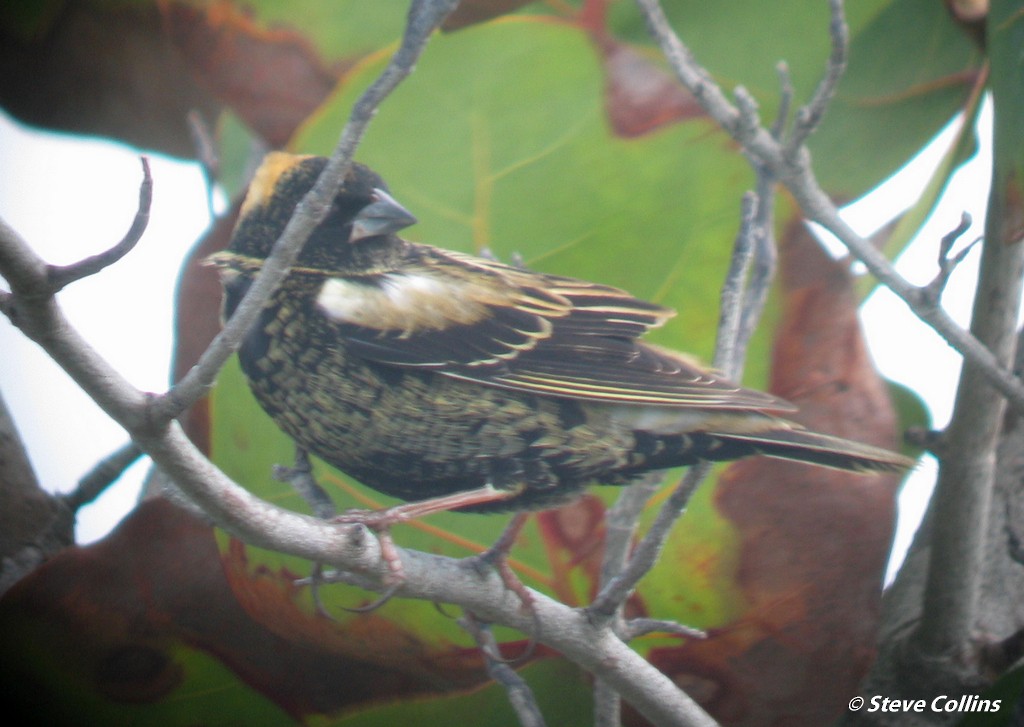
(381, 217)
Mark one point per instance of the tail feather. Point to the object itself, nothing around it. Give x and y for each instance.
(802, 445)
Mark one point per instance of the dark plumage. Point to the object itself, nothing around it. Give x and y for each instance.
(423, 372)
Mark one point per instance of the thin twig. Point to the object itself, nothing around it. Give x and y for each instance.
(762, 268)
(620, 524)
(947, 264)
(809, 117)
(520, 696)
(642, 626)
(786, 94)
(732, 305)
(105, 473)
(606, 603)
(749, 119)
(60, 276)
(424, 18)
(820, 209)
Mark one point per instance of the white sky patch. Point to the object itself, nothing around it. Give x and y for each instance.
(69, 198)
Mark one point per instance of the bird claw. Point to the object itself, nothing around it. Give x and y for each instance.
(380, 522)
(384, 597)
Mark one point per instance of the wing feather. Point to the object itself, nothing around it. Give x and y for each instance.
(497, 325)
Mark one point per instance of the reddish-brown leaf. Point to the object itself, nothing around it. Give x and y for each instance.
(640, 96)
(273, 79)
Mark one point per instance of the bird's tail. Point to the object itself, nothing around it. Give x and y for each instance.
(802, 445)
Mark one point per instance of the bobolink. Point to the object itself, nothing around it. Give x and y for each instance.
(425, 373)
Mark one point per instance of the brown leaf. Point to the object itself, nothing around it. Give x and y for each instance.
(640, 96)
(135, 71)
(273, 79)
(814, 542)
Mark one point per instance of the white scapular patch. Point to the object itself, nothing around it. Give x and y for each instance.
(400, 301)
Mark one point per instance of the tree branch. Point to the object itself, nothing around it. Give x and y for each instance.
(963, 493)
(33, 523)
(100, 477)
(809, 117)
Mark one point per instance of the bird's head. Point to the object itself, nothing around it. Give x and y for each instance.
(357, 237)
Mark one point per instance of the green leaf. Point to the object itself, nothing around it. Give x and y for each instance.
(338, 29)
(911, 69)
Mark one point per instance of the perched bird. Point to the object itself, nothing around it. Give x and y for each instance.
(426, 373)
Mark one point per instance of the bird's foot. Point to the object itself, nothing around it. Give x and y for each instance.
(496, 557)
(380, 522)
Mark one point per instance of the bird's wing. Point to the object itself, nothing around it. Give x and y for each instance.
(498, 325)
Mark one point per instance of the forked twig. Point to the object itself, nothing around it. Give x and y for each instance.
(60, 276)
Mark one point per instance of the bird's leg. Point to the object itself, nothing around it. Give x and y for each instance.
(300, 477)
(395, 575)
(497, 557)
(381, 519)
